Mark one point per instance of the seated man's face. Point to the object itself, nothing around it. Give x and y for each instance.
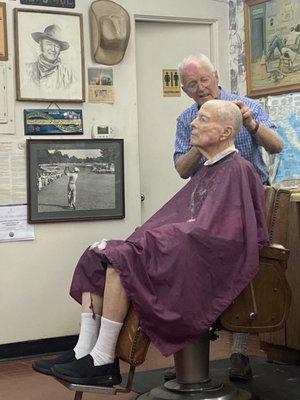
(50, 49)
(206, 128)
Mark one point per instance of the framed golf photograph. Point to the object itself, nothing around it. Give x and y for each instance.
(49, 56)
(75, 179)
(272, 30)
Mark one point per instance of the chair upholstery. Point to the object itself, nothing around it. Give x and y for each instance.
(264, 305)
(132, 344)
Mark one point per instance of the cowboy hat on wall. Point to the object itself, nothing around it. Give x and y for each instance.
(110, 31)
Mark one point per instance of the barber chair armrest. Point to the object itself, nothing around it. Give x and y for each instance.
(275, 252)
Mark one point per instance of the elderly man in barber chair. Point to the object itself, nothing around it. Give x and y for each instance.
(182, 268)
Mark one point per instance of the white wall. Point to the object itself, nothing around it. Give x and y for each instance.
(35, 276)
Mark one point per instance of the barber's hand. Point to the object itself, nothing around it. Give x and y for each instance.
(248, 120)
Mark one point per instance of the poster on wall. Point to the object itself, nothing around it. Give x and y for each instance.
(101, 89)
(53, 122)
(12, 171)
(3, 33)
(49, 56)
(272, 29)
(284, 112)
(171, 83)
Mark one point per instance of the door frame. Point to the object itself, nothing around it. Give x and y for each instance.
(213, 29)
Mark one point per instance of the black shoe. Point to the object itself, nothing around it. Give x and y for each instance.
(169, 374)
(240, 369)
(44, 365)
(83, 372)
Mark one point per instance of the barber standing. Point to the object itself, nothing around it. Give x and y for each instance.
(200, 81)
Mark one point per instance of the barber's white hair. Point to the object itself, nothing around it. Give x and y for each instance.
(199, 59)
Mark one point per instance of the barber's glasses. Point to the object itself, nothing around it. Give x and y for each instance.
(193, 86)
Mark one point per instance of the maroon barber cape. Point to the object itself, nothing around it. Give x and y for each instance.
(191, 259)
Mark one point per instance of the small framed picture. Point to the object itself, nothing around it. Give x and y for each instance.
(41, 122)
(75, 180)
(3, 33)
(272, 33)
(49, 56)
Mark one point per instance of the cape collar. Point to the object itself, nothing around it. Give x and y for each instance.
(222, 154)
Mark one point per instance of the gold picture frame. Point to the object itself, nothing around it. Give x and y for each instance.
(272, 44)
(3, 33)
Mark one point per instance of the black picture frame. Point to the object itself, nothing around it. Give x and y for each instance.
(96, 165)
(50, 3)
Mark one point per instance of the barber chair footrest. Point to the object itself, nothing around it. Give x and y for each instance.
(205, 387)
(227, 392)
(109, 390)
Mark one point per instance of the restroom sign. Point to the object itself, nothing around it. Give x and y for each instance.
(171, 83)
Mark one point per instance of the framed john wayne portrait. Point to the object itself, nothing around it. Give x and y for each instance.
(272, 30)
(3, 33)
(75, 180)
(49, 56)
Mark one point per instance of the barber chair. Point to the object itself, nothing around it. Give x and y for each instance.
(262, 307)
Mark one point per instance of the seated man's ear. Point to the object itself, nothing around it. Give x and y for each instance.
(227, 133)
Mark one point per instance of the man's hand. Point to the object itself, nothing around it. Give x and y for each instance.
(248, 120)
(264, 135)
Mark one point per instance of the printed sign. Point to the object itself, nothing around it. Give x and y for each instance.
(171, 83)
(50, 3)
(53, 122)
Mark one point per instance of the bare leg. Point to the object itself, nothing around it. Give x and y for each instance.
(115, 300)
(91, 302)
(115, 307)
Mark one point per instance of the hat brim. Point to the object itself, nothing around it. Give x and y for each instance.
(37, 36)
(103, 55)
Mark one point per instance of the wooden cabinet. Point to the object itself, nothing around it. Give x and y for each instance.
(284, 345)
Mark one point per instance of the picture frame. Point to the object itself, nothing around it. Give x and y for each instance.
(49, 56)
(75, 180)
(272, 45)
(59, 122)
(50, 3)
(3, 33)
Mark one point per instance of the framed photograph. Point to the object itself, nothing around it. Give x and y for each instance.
(3, 33)
(272, 29)
(49, 56)
(75, 180)
(53, 122)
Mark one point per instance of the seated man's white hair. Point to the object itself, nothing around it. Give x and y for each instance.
(229, 113)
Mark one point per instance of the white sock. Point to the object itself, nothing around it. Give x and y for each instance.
(105, 347)
(240, 343)
(89, 331)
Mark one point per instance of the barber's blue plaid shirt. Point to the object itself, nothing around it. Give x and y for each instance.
(244, 142)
